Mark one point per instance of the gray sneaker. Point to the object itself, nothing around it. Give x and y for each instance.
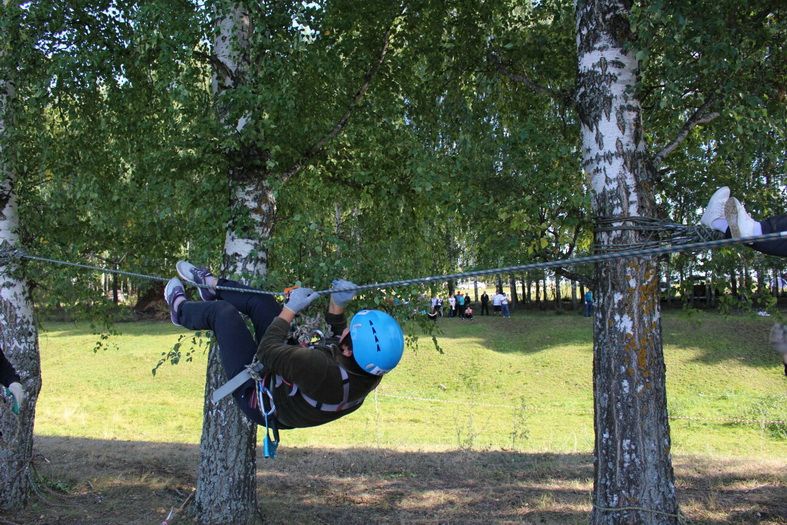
(198, 276)
(172, 291)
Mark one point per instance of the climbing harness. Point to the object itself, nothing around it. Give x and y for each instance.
(252, 370)
(270, 443)
(264, 385)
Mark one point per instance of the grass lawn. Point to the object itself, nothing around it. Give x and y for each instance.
(522, 384)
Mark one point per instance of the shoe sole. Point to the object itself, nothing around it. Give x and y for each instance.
(717, 196)
(182, 273)
(731, 214)
(169, 295)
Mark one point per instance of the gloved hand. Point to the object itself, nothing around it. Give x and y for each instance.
(19, 395)
(300, 298)
(342, 298)
(777, 338)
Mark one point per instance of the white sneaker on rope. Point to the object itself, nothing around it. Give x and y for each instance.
(741, 223)
(713, 216)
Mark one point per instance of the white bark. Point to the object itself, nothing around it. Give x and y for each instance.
(634, 482)
(226, 488)
(18, 340)
(243, 252)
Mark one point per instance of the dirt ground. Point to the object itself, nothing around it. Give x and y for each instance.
(113, 482)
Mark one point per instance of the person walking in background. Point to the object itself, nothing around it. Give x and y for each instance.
(484, 303)
(588, 303)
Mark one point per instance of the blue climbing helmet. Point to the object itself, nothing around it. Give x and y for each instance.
(378, 341)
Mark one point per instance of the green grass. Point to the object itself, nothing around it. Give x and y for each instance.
(523, 383)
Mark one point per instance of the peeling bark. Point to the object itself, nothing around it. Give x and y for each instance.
(634, 481)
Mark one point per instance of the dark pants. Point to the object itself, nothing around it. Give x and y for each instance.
(588, 308)
(237, 347)
(772, 225)
(484, 308)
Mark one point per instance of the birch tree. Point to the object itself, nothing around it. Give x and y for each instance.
(226, 491)
(18, 331)
(634, 481)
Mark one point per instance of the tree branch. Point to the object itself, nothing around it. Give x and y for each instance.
(700, 116)
(558, 96)
(587, 281)
(319, 146)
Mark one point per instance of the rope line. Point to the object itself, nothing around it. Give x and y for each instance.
(572, 261)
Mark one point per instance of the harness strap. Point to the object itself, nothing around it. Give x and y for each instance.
(344, 405)
(251, 371)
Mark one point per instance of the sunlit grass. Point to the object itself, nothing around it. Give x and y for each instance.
(523, 384)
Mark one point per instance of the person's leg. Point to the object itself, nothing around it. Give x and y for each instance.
(236, 345)
(773, 225)
(223, 319)
(261, 308)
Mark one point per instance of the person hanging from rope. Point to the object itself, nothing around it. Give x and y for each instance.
(728, 215)
(9, 378)
(303, 386)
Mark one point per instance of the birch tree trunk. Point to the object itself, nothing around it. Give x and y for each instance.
(634, 481)
(18, 337)
(226, 480)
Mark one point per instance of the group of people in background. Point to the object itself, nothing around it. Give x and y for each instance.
(460, 305)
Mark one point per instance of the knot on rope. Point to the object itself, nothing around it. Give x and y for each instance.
(9, 253)
(306, 328)
(660, 232)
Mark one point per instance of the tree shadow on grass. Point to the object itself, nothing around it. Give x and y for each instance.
(138, 482)
(524, 333)
(723, 338)
(739, 339)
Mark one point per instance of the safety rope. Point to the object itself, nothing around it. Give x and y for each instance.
(649, 251)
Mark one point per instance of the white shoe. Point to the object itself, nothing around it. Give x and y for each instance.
(715, 209)
(741, 223)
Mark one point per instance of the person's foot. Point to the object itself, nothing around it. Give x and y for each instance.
(174, 294)
(199, 276)
(713, 216)
(741, 223)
